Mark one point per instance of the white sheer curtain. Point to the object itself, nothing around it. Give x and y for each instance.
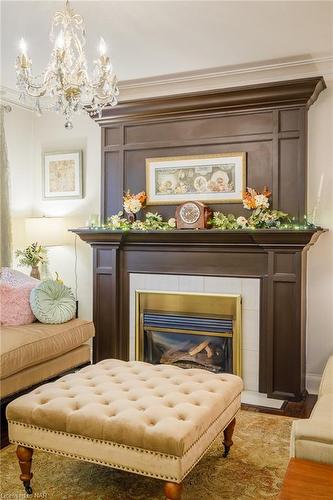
(6, 228)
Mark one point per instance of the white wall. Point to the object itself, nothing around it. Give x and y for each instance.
(27, 138)
(19, 135)
(51, 135)
(320, 257)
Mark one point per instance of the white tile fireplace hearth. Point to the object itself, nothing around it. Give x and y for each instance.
(248, 288)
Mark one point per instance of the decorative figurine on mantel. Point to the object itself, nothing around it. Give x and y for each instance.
(133, 203)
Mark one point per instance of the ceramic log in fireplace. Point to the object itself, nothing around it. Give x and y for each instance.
(276, 257)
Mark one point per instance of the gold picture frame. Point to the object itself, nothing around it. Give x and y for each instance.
(210, 178)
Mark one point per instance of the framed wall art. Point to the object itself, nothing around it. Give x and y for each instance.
(62, 175)
(211, 178)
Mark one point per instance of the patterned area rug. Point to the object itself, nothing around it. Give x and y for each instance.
(253, 470)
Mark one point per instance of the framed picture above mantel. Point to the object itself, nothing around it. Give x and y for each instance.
(210, 178)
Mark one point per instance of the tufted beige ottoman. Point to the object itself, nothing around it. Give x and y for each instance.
(154, 420)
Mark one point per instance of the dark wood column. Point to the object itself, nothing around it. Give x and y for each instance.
(106, 313)
(284, 339)
(276, 257)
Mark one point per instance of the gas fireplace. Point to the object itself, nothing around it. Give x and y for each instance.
(190, 330)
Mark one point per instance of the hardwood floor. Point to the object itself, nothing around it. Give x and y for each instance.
(307, 480)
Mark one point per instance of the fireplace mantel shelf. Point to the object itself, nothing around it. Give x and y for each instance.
(210, 237)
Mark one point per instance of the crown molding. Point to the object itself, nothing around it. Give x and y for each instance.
(205, 80)
(222, 78)
(295, 92)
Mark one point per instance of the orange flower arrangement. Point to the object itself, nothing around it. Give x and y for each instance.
(252, 199)
(134, 202)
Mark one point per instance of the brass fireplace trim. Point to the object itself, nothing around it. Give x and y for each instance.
(199, 303)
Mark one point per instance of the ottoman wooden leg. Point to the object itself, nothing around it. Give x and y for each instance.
(25, 458)
(173, 491)
(228, 432)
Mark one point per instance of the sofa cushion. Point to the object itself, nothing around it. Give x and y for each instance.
(52, 302)
(154, 407)
(28, 345)
(15, 288)
(312, 439)
(51, 368)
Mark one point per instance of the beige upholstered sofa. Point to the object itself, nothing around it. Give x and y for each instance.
(34, 353)
(312, 439)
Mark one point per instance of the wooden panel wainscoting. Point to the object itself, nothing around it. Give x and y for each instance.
(268, 122)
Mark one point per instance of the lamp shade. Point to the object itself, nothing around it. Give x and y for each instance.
(47, 231)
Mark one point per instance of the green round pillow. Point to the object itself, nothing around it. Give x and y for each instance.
(52, 302)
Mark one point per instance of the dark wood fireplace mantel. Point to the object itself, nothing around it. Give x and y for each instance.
(259, 237)
(268, 123)
(276, 257)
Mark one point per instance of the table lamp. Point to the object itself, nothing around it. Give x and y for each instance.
(48, 232)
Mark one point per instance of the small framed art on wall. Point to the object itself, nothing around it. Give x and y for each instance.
(62, 175)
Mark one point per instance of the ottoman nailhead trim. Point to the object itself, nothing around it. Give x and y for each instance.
(109, 464)
(93, 460)
(85, 438)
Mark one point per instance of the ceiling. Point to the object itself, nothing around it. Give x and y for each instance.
(148, 39)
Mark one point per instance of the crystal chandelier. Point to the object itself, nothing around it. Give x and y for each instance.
(65, 85)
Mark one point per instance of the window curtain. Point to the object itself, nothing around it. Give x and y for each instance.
(6, 228)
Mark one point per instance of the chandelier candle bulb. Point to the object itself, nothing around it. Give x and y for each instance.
(23, 58)
(102, 47)
(23, 47)
(60, 41)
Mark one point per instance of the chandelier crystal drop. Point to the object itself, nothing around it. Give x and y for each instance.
(65, 85)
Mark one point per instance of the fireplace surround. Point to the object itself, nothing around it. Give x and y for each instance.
(277, 258)
(268, 122)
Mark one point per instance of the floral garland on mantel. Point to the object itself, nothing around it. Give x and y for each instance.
(262, 217)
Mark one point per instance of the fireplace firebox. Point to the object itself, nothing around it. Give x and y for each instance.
(190, 330)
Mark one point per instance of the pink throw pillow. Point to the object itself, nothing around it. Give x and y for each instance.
(15, 288)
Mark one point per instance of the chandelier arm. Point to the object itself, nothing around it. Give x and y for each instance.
(28, 81)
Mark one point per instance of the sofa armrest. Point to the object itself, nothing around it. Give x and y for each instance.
(326, 384)
(312, 439)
